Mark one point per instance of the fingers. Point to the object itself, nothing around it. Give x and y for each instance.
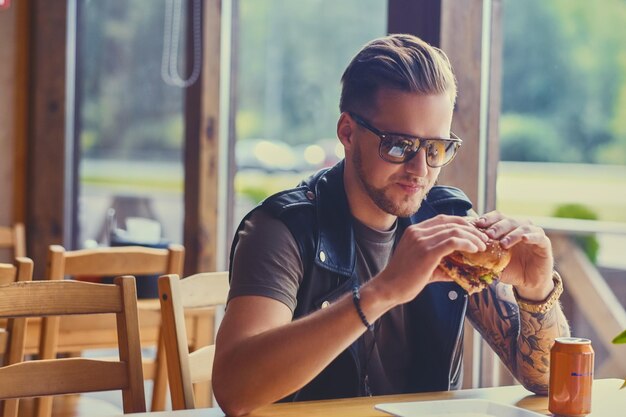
(532, 235)
(510, 232)
(445, 222)
(444, 219)
(458, 236)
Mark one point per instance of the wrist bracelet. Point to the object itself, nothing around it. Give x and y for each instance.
(542, 307)
(356, 299)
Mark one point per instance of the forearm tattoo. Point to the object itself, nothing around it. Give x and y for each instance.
(521, 339)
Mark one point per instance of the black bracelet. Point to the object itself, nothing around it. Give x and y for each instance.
(356, 298)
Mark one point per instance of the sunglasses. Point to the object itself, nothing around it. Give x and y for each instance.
(397, 148)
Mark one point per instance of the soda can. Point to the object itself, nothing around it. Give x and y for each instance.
(571, 376)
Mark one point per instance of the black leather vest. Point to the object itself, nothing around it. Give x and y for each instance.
(317, 214)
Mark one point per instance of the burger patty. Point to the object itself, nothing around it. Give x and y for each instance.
(471, 273)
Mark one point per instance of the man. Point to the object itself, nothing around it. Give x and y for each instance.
(335, 287)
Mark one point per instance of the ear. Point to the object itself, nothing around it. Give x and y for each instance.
(345, 130)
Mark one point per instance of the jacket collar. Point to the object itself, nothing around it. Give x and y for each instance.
(335, 247)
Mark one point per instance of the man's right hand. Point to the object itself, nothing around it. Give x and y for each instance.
(419, 252)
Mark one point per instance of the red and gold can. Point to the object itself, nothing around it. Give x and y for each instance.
(571, 376)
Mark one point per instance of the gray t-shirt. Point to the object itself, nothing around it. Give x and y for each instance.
(267, 263)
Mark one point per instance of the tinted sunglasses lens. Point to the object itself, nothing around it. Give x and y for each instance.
(395, 149)
(439, 152)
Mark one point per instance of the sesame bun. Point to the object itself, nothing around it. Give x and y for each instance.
(475, 271)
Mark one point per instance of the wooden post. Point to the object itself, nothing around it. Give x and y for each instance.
(14, 77)
(201, 149)
(46, 156)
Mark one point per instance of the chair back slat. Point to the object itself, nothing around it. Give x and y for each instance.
(53, 298)
(196, 293)
(201, 361)
(70, 376)
(118, 260)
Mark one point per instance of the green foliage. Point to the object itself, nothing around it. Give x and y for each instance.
(563, 62)
(620, 338)
(256, 194)
(291, 58)
(531, 138)
(588, 243)
(126, 110)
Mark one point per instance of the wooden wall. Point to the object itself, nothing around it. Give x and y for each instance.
(32, 121)
(13, 114)
(7, 126)
(46, 156)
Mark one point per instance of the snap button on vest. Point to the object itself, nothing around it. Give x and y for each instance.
(325, 304)
(453, 295)
(310, 195)
(322, 256)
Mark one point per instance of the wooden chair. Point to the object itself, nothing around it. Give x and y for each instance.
(178, 298)
(76, 375)
(12, 336)
(14, 238)
(75, 334)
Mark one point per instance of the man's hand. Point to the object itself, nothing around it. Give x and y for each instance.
(419, 252)
(530, 269)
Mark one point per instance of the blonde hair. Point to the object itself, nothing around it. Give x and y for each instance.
(400, 61)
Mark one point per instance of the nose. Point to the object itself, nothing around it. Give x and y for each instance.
(417, 165)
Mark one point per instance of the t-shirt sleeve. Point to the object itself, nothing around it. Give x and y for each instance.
(266, 261)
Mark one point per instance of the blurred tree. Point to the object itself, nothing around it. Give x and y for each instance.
(588, 243)
(564, 62)
(291, 58)
(531, 138)
(126, 109)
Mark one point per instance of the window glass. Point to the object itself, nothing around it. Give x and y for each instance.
(290, 60)
(563, 119)
(129, 122)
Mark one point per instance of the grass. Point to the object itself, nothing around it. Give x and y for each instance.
(522, 189)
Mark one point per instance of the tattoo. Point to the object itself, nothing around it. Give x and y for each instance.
(522, 340)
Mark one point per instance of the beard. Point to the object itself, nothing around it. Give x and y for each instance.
(406, 206)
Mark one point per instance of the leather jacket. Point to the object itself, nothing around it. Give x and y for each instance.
(318, 216)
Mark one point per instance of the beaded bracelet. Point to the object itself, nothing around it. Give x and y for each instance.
(356, 298)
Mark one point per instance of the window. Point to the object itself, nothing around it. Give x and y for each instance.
(290, 60)
(129, 121)
(563, 148)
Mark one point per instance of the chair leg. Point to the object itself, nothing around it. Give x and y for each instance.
(47, 350)
(159, 390)
(43, 406)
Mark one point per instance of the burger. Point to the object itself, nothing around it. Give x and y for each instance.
(475, 271)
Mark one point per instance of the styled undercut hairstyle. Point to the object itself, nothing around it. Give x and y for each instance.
(400, 61)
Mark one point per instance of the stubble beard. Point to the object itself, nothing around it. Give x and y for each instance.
(404, 208)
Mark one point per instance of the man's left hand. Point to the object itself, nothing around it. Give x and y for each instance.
(530, 269)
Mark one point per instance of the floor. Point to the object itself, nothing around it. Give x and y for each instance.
(74, 406)
(98, 404)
